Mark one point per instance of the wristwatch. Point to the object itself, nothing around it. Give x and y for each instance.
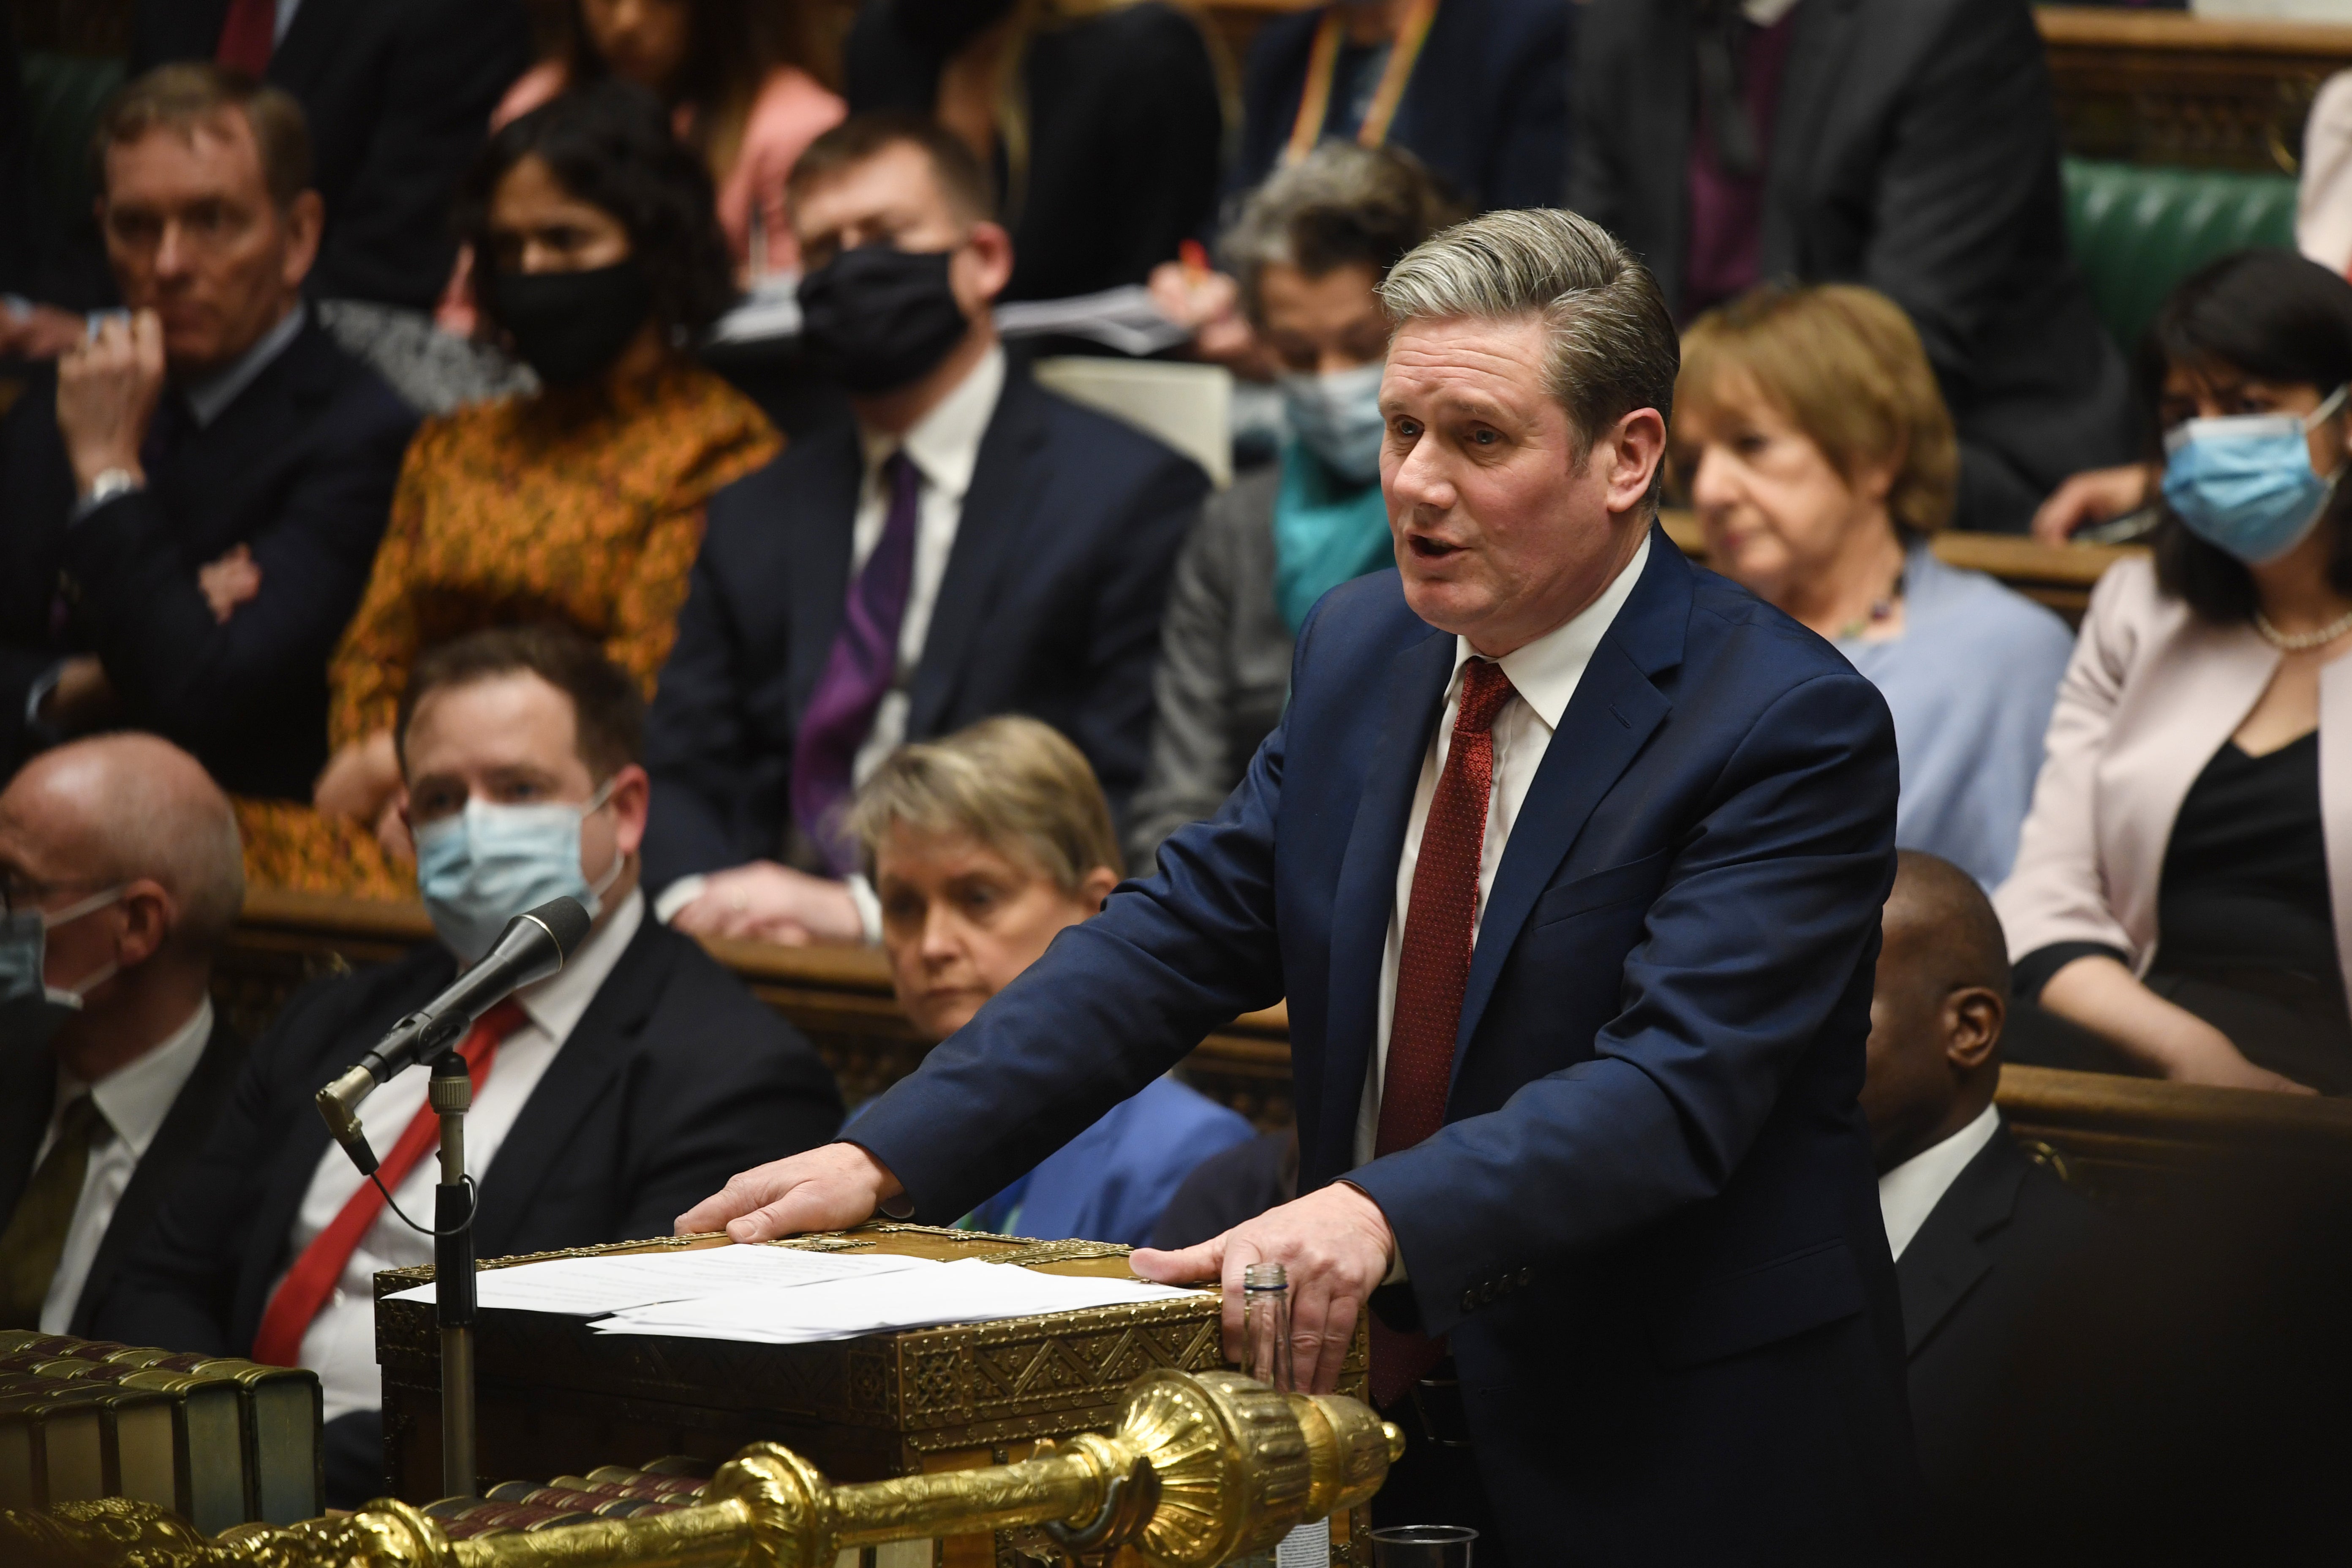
(110, 483)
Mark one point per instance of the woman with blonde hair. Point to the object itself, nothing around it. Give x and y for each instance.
(1812, 442)
(982, 848)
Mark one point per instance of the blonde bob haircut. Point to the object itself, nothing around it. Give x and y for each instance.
(1845, 365)
(1010, 783)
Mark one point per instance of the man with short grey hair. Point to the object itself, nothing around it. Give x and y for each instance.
(121, 873)
(1568, 857)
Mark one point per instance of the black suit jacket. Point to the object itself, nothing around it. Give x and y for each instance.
(1915, 150)
(1050, 606)
(300, 467)
(1970, 1280)
(674, 1079)
(1486, 107)
(398, 94)
(29, 1086)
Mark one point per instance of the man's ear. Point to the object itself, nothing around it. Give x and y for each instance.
(632, 798)
(1097, 885)
(1973, 1016)
(148, 915)
(991, 250)
(1636, 445)
(305, 218)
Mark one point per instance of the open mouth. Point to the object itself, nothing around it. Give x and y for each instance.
(1425, 547)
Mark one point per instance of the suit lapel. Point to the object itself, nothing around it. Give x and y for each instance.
(545, 1133)
(185, 1126)
(1825, 35)
(308, 45)
(1365, 898)
(1001, 497)
(1949, 1256)
(1605, 726)
(28, 1093)
(820, 530)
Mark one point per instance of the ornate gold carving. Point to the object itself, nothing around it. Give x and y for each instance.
(1033, 1253)
(1197, 1469)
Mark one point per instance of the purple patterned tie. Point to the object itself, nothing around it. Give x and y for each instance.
(858, 673)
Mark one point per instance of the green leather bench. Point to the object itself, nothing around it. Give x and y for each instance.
(2139, 228)
(63, 96)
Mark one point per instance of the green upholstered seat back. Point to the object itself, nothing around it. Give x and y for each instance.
(2139, 228)
(63, 96)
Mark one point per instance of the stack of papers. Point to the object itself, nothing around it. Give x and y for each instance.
(1123, 317)
(768, 1295)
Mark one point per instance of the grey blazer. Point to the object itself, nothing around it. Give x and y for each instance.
(1225, 665)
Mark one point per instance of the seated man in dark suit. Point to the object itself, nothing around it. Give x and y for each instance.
(1975, 1224)
(616, 1092)
(1910, 147)
(121, 870)
(190, 509)
(972, 545)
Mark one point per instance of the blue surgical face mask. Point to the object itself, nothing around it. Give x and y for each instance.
(31, 1009)
(1338, 416)
(2245, 484)
(481, 866)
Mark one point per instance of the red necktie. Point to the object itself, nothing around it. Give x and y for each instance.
(315, 1274)
(1434, 971)
(247, 36)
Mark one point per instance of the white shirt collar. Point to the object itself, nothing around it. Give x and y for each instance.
(1908, 1193)
(556, 1003)
(1546, 671)
(944, 445)
(209, 398)
(136, 1097)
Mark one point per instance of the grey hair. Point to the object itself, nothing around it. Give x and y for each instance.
(142, 807)
(1341, 204)
(1613, 346)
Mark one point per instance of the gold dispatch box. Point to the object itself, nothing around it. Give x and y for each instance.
(554, 1398)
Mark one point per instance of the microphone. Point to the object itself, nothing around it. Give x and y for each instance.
(533, 946)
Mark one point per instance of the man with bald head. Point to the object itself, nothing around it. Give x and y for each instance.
(121, 867)
(1976, 1225)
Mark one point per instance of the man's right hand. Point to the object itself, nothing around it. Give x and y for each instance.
(831, 1188)
(40, 332)
(106, 391)
(2092, 496)
(767, 902)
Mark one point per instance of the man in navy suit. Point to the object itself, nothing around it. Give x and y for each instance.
(1568, 857)
(970, 546)
(191, 502)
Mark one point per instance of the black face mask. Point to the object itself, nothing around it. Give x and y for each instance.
(940, 27)
(875, 319)
(571, 326)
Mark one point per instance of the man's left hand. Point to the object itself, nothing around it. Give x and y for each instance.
(106, 391)
(1337, 1246)
(82, 699)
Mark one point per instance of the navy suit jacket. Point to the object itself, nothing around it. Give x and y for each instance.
(28, 1094)
(673, 1079)
(1050, 607)
(1486, 107)
(1649, 1226)
(398, 95)
(300, 467)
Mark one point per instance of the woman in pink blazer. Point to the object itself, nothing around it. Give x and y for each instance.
(2183, 887)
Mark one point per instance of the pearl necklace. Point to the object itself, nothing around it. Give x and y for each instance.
(2299, 642)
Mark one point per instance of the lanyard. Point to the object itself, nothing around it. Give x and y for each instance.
(1323, 66)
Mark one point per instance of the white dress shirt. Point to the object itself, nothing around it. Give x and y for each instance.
(341, 1344)
(1908, 1193)
(944, 446)
(1544, 676)
(134, 1099)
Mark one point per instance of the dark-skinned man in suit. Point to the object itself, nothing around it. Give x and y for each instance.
(970, 545)
(190, 509)
(1976, 1225)
(123, 875)
(604, 1096)
(1568, 857)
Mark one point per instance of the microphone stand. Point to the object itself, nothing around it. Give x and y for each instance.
(452, 1094)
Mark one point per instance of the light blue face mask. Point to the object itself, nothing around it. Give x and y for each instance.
(1338, 416)
(2245, 484)
(481, 866)
(31, 1009)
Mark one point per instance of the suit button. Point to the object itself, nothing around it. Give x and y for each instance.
(1527, 1276)
(1470, 1300)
